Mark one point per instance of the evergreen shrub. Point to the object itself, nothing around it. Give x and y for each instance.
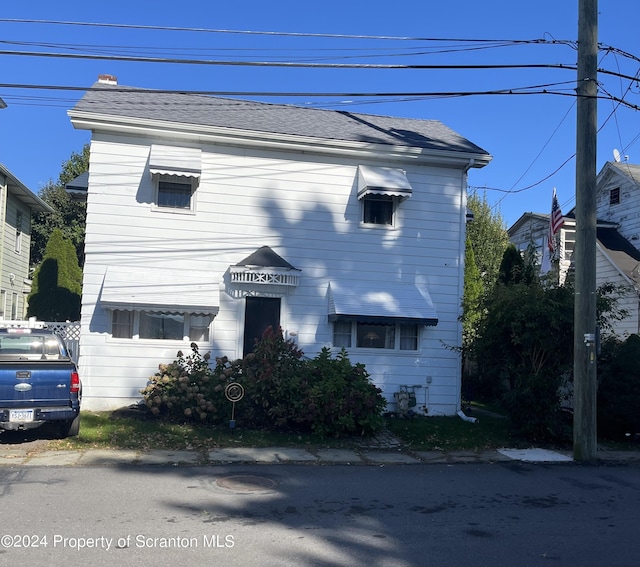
(619, 388)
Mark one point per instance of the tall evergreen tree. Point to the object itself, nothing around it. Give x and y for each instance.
(57, 283)
(511, 267)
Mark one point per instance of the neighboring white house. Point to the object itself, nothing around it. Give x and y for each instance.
(209, 219)
(617, 237)
(17, 204)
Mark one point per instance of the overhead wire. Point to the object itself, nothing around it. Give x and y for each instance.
(456, 45)
(275, 33)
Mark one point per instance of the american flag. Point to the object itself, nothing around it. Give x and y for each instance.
(556, 220)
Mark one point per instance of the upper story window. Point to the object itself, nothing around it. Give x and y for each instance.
(380, 190)
(176, 174)
(174, 193)
(18, 243)
(614, 196)
(378, 209)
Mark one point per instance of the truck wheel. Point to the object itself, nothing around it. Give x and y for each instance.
(69, 428)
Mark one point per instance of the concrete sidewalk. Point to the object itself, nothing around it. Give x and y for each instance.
(16, 456)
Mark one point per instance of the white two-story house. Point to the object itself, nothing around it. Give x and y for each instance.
(210, 219)
(617, 238)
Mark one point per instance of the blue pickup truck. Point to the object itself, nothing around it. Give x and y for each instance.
(39, 382)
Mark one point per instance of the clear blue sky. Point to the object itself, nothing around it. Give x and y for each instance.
(529, 136)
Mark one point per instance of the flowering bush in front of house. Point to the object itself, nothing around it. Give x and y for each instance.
(328, 396)
(188, 388)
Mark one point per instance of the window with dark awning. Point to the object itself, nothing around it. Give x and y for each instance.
(383, 181)
(173, 160)
(141, 288)
(388, 302)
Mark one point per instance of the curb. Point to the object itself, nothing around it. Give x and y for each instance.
(289, 455)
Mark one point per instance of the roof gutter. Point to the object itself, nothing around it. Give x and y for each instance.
(197, 133)
(24, 193)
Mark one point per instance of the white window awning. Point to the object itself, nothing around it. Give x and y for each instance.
(173, 160)
(383, 181)
(141, 288)
(380, 302)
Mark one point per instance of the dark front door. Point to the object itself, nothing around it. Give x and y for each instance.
(260, 314)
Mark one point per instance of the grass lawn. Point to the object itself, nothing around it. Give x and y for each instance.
(104, 430)
(135, 430)
(452, 433)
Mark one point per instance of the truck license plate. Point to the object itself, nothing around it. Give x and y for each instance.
(21, 415)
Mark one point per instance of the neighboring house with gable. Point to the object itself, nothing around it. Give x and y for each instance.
(617, 238)
(210, 219)
(17, 204)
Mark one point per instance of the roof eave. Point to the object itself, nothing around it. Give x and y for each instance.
(141, 126)
(603, 250)
(24, 194)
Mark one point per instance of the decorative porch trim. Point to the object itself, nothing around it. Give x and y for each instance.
(263, 276)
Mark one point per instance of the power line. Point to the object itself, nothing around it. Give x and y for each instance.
(542, 89)
(291, 64)
(278, 33)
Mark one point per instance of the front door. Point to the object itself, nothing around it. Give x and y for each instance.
(260, 314)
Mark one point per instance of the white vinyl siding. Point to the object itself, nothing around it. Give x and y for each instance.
(626, 212)
(306, 209)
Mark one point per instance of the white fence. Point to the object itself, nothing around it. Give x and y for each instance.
(70, 334)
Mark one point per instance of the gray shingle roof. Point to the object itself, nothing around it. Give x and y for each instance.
(120, 101)
(629, 169)
(623, 254)
(266, 258)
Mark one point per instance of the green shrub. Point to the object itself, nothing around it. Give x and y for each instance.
(327, 396)
(273, 380)
(189, 389)
(340, 398)
(330, 397)
(534, 407)
(619, 388)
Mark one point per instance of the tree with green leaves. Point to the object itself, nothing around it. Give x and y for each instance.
(484, 247)
(517, 268)
(489, 239)
(524, 350)
(472, 298)
(69, 215)
(57, 283)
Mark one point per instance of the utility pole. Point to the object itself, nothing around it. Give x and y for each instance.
(584, 363)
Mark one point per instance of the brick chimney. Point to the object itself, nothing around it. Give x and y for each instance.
(108, 79)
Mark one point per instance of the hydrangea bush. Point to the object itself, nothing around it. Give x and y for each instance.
(284, 391)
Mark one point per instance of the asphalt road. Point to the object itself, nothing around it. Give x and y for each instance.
(510, 514)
